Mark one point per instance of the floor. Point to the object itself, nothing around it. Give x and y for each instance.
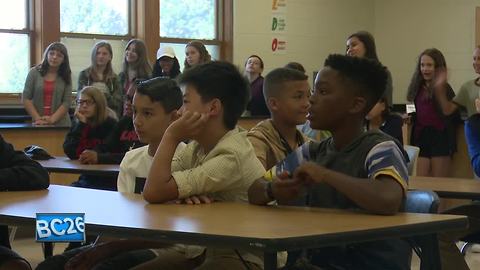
(32, 251)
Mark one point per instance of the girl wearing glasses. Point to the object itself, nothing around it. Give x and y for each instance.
(48, 88)
(91, 127)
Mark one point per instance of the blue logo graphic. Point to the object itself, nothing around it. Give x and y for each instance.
(60, 227)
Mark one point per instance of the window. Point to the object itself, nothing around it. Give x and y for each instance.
(14, 48)
(185, 20)
(106, 17)
(84, 22)
(188, 19)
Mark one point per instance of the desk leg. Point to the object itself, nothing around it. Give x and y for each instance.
(47, 249)
(270, 260)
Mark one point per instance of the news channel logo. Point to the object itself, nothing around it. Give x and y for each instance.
(60, 227)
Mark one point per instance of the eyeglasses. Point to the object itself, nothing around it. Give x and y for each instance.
(88, 102)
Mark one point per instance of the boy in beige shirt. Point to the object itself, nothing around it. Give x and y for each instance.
(219, 161)
(286, 92)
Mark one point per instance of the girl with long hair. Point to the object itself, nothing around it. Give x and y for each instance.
(48, 88)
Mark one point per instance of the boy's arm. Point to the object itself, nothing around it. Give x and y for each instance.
(381, 192)
(18, 172)
(383, 195)
(160, 185)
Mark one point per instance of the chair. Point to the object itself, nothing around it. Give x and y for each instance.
(425, 246)
(412, 152)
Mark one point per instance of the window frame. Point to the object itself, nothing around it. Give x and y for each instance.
(11, 98)
(42, 13)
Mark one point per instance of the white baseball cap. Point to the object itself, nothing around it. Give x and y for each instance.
(165, 51)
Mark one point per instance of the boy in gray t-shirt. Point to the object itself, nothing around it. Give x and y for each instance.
(352, 169)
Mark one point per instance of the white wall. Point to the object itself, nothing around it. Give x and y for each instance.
(402, 29)
(315, 28)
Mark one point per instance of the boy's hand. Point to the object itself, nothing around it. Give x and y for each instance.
(309, 173)
(91, 256)
(81, 117)
(88, 157)
(187, 126)
(195, 199)
(286, 188)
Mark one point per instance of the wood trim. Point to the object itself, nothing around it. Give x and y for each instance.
(148, 26)
(226, 52)
(95, 36)
(46, 26)
(477, 26)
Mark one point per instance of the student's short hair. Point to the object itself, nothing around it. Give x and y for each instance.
(273, 82)
(367, 76)
(295, 65)
(163, 90)
(220, 80)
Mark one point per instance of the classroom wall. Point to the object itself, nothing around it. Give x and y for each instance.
(315, 28)
(402, 30)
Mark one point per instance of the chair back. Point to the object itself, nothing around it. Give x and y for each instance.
(422, 201)
(412, 152)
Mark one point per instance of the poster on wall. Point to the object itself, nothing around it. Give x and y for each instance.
(279, 23)
(279, 6)
(279, 27)
(279, 45)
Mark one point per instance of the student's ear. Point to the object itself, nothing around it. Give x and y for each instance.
(358, 105)
(272, 104)
(215, 107)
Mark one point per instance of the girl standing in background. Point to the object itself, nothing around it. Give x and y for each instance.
(135, 64)
(432, 131)
(48, 88)
(196, 53)
(100, 75)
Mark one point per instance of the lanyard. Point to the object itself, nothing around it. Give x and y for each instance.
(285, 144)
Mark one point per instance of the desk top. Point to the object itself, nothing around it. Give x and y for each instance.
(458, 188)
(66, 165)
(28, 126)
(218, 224)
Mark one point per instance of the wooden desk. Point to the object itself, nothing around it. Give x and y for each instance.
(456, 188)
(23, 134)
(66, 165)
(267, 229)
